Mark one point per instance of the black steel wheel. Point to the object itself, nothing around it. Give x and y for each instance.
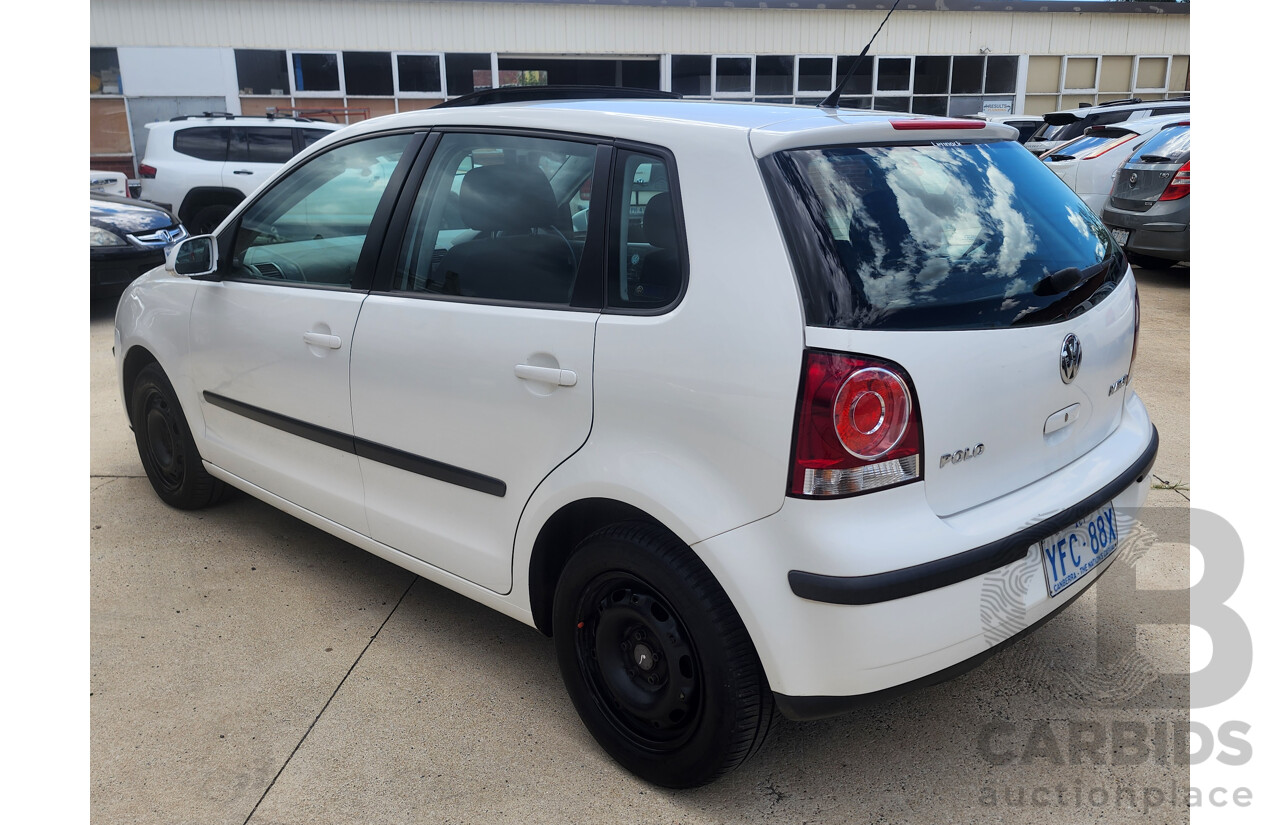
(656, 659)
(165, 446)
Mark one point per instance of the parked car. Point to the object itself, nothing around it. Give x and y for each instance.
(126, 238)
(1025, 124)
(757, 438)
(1059, 127)
(1088, 163)
(1149, 210)
(109, 183)
(200, 166)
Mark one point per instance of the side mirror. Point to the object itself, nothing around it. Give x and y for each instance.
(197, 258)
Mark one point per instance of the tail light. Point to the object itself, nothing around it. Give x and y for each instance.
(145, 171)
(1180, 186)
(857, 427)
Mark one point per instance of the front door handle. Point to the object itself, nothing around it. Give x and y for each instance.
(319, 339)
(243, 172)
(547, 375)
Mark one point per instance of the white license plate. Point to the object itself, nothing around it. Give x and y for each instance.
(1070, 555)
(1121, 235)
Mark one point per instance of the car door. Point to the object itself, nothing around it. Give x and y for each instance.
(271, 340)
(254, 153)
(471, 373)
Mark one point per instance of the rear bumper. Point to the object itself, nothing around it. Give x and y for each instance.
(1163, 232)
(837, 624)
(921, 578)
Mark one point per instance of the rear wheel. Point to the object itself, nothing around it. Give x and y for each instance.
(656, 660)
(165, 446)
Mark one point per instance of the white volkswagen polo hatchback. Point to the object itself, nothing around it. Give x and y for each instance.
(742, 404)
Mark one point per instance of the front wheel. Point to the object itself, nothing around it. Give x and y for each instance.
(656, 660)
(165, 446)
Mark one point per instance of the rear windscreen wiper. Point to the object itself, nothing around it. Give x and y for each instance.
(1154, 159)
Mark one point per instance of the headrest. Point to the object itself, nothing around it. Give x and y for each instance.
(506, 198)
(660, 222)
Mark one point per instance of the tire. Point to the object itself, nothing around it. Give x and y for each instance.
(165, 445)
(656, 660)
(207, 218)
(1149, 261)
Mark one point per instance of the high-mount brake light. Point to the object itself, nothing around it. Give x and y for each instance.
(1180, 186)
(857, 427)
(935, 124)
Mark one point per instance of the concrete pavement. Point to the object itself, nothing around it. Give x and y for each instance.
(248, 668)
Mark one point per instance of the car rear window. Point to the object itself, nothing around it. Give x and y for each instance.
(937, 236)
(1171, 144)
(1097, 142)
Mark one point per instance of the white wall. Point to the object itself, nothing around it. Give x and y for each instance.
(542, 28)
(180, 72)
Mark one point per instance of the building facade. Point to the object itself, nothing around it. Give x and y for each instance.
(348, 59)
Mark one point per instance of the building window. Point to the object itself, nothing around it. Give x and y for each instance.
(732, 75)
(467, 73)
(932, 75)
(104, 72)
(1080, 74)
(1151, 74)
(893, 75)
(691, 74)
(368, 74)
(860, 83)
(419, 74)
(966, 75)
(775, 75)
(815, 75)
(317, 73)
(262, 72)
(1002, 75)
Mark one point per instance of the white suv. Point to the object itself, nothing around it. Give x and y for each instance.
(753, 437)
(1068, 124)
(200, 166)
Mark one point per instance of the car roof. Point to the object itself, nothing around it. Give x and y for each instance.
(770, 127)
(1084, 111)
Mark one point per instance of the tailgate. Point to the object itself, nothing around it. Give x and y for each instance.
(995, 411)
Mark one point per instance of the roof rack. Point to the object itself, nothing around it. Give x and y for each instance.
(1125, 102)
(525, 94)
(229, 116)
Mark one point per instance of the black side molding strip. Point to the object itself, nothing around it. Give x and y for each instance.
(808, 708)
(364, 449)
(921, 578)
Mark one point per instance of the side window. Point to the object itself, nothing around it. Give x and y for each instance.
(310, 226)
(203, 142)
(310, 136)
(260, 145)
(500, 218)
(647, 261)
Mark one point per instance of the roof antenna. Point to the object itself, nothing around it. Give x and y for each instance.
(832, 101)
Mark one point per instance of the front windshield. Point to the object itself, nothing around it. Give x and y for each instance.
(938, 236)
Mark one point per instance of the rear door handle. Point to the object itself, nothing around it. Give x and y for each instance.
(319, 339)
(547, 375)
